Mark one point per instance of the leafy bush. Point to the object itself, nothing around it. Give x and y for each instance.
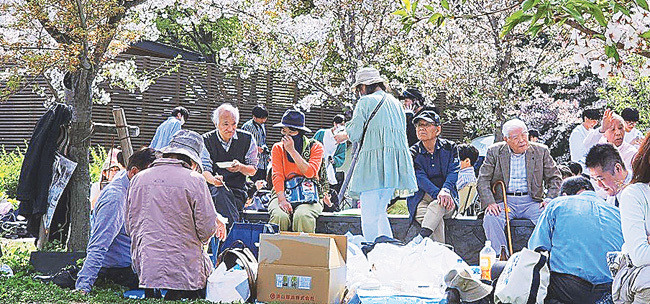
(10, 164)
(97, 157)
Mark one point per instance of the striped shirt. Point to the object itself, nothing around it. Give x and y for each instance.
(517, 173)
(259, 133)
(465, 177)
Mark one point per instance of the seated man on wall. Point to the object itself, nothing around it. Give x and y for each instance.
(526, 169)
(231, 157)
(578, 229)
(436, 166)
(108, 254)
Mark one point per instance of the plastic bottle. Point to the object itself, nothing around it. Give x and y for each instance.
(503, 256)
(487, 258)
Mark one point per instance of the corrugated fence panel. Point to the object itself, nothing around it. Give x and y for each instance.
(199, 87)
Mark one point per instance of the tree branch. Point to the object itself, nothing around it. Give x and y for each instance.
(574, 24)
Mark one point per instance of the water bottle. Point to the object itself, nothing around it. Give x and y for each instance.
(487, 258)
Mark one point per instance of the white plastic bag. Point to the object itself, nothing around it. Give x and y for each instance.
(415, 270)
(227, 285)
(526, 275)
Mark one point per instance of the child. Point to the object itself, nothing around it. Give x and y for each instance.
(468, 155)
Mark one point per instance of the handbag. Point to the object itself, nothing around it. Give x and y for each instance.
(525, 278)
(246, 233)
(300, 190)
(235, 277)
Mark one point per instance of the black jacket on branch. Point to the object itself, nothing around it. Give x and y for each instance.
(36, 171)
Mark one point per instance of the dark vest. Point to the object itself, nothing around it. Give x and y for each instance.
(238, 149)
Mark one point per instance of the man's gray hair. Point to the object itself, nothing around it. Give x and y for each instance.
(511, 125)
(226, 107)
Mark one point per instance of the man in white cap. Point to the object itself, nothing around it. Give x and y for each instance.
(170, 217)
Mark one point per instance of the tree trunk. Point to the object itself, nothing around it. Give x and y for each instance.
(80, 132)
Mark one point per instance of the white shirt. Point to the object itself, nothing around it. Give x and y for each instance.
(576, 144)
(632, 135)
(635, 222)
(626, 150)
(329, 148)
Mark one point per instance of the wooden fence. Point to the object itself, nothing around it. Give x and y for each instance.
(199, 87)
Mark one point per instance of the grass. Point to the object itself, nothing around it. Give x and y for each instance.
(23, 288)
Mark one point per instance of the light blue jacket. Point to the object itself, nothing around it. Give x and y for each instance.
(384, 160)
(165, 132)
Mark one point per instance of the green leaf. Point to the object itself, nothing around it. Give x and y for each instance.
(643, 4)
(620, 8)
(512, 21)
(645, 35)
(445, 4)
(415, 7)
(407, 5)
(429, 7)
(612, 52)
(598, 15)
(437, 19)
(400, 13)
(528, 4)
(533, 30)
(574, 13)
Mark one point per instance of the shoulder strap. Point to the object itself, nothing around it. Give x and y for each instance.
(367, 123)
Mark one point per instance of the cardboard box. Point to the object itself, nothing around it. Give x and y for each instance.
(302, 268)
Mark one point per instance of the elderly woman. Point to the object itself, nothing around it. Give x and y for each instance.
(384, 168)
(170, 217)
(295, 163)
(632, 283)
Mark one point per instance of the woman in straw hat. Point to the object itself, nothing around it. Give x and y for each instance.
(384, 167)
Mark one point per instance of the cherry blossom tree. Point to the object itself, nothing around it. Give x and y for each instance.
(53, 38)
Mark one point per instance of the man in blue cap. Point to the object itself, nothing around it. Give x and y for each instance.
(436, 165)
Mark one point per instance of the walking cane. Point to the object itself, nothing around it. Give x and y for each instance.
(506, 210)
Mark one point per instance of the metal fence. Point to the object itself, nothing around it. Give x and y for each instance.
(199, 87)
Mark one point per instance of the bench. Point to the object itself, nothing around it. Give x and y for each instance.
(465, 234)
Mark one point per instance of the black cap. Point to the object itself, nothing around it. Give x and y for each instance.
(411, 93)
(428, 116)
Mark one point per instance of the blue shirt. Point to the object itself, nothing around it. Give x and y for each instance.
(165, 132)
(109, 246)
(434, 171)
(578, 231)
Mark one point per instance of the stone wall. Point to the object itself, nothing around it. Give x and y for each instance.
(466, 235)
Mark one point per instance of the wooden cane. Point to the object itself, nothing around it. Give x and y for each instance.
(506, 210)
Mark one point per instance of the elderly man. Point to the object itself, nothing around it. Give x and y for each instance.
(612, 131)
(577, 147)
(578, 229)
(608, 169)
(436, 170)
(525, 169)
(231, 157)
